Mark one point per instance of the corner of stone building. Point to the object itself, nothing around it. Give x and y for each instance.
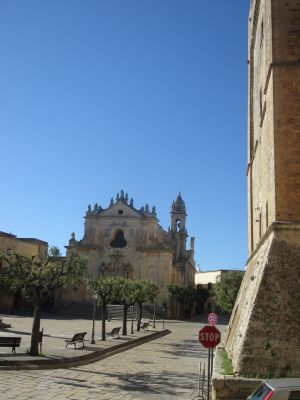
(265, 324)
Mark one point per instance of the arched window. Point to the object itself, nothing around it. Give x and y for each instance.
(118, 241)
(177, 225)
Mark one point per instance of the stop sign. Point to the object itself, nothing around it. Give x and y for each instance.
(209, 336)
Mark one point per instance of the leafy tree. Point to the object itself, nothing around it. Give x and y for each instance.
(202, 294)
(105, 290)
(144, 291)
(37, 277)
(227, 288)
(184, 296)
(126, 296)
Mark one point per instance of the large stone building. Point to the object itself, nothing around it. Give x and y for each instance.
(263, 336)
(122, 240)
(31, 247)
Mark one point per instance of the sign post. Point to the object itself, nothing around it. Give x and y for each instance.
(209, 337)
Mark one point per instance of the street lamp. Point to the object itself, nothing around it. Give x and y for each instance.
(154, 315)
(164, 312)
(132, 318)
(94, 315)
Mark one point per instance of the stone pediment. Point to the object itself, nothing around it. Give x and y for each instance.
(121, 209)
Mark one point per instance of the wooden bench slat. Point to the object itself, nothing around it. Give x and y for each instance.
(13, 342)
(115, 332)
(78, 337)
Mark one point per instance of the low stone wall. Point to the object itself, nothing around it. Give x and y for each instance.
(230, 387)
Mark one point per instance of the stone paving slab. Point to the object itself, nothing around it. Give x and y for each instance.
(164, 369)
(55, 353)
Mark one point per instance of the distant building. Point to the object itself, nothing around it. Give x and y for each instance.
(31, 247)
(122, 240)
(207, 280)
(28, 246)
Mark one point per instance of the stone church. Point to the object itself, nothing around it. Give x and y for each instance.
(122, 240)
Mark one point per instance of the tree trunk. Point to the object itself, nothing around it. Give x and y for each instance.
(103, 320)
(140, 316)
(34, 347)
(125, 309)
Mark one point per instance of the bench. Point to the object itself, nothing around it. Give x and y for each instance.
(114, 333)
(78, 337)
(144, 325)
(3, 325)
(10, 341)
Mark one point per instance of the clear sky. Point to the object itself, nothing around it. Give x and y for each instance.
(149, 96)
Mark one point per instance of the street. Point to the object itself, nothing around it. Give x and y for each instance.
(166, 368)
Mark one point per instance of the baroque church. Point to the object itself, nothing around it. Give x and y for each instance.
(125, 241)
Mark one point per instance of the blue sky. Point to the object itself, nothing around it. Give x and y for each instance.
(146, 96)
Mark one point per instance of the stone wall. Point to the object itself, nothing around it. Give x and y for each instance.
(229, 387)
(263, 335)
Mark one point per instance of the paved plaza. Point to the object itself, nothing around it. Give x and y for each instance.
(165, 368)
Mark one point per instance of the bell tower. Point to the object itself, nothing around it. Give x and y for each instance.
(178, 218)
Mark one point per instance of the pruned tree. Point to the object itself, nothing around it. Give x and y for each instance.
(126, 296)
(227, 288)
(184, 297)
(144, 291)
(105, 290)
(36, 279)
(176, 293)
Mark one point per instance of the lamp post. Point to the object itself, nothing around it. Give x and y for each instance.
(132, 317)
(164, 312)
(154, 315)
(94, 315)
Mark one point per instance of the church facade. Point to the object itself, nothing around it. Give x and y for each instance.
(122, 240)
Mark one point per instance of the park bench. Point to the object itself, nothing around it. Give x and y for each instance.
(114, 333)
(10, 341)
(145, 324)
(4, 325)
(78, 337)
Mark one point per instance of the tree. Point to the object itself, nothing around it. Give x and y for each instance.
(37, 277)
(105, 290)
(144, 291)
(183, 295)
(227, 288)
(126, 296)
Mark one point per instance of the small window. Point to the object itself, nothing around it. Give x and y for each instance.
(262, 33)
(118, 241)
(120, 212)
(260, 225)
(260, 104)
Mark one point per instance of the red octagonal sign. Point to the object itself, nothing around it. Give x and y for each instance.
(209, 336)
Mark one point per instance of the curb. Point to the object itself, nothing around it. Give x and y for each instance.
(80, 360)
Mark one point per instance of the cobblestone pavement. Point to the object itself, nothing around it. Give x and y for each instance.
(166, 368)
